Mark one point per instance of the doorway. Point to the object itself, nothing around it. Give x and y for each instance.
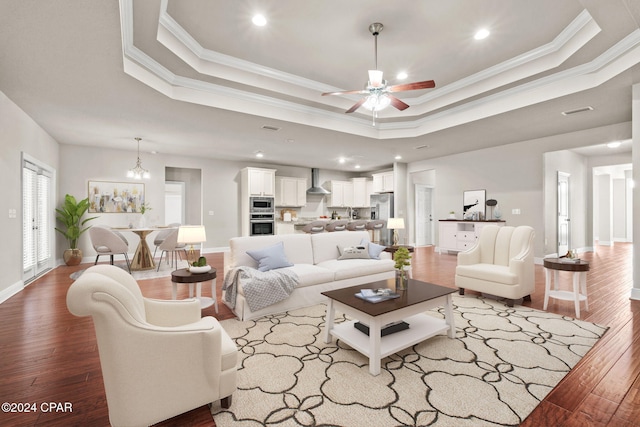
(174, 202)
(563, 220)
(37, 218)
(424, 214)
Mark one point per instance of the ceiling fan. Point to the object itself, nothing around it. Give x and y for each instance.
(377, 91)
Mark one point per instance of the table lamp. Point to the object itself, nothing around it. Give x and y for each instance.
(190, 235)
(395, 224)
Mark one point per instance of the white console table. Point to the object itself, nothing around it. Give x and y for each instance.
(458, 236)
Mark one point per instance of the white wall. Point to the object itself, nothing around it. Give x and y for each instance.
(19, 133)
(513, 174)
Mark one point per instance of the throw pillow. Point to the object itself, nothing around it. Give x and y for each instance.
(354, 252)
(271, 257)
(374, 249)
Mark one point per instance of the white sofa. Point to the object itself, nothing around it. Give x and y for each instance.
(501, 264)
(315, 261)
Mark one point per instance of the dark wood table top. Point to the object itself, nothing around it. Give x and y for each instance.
(417, 292)
(566, 264)
(182, 275)
(394, 248)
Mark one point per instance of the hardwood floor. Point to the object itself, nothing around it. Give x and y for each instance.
(48, 355)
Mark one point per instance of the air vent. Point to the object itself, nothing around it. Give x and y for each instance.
(420, 147)
(272, 128)
(577, 110)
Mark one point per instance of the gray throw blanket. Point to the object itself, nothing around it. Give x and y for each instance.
(261, 288)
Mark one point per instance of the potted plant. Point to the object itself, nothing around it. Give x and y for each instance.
(402, 259)
(452, 215)
(70, 215)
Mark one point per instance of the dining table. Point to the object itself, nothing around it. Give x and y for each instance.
(142, 258)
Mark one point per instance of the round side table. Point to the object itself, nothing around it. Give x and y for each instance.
(579, 293)
(183, 275)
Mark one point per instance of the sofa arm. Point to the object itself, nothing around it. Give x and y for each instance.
(172, 312)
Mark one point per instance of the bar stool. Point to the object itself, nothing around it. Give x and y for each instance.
(339, 225)
(314, 227)
(357, 225)
(375, 226)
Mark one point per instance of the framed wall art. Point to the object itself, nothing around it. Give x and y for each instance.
(115, 197)
(474, 201)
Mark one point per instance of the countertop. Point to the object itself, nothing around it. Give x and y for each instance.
(305, 221)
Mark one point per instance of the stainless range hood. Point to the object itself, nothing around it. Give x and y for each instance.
(315, 184)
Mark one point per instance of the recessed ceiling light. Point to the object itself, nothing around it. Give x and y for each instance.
(482, 33)
(259, 20)
(259, 154)
(357, 166)
(614, 144)
(398, 157)
(341, 160)
(402, 75)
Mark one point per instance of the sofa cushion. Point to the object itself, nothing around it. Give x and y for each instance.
(488, 272)
(325, 245)
(354, 252)
(308, 275)
(297, 248)
(347, 269)
(270, 257)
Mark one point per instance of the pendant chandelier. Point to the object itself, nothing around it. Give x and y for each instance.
(138, 172)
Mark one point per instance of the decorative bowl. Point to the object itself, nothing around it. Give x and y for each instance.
(196, 270)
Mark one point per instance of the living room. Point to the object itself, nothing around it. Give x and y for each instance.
(518, 171)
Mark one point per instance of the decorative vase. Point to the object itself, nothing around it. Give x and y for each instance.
(72, 256)
(143, 222)
(497, 213)
(402, 280)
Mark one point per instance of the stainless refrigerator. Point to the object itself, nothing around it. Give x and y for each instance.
(382, 208)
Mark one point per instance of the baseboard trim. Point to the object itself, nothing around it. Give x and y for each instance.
(11, 291)
(635, 294)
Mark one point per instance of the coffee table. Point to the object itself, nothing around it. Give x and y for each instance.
(409, 307)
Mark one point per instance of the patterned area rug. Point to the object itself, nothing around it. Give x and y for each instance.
(499, 367)
(165, 271)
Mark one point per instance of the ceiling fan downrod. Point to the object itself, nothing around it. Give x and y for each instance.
(375, 29)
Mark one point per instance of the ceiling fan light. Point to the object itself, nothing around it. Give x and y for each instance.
(375, 78)
(376, 102)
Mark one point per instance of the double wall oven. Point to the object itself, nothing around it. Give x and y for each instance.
(262, 213)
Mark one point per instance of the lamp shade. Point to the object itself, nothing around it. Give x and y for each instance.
(190, 234)
(395, 223)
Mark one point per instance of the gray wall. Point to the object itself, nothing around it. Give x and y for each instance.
(19, 133)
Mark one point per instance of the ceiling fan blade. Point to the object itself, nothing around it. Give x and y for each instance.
(427, 84)
(345, 92)
(400, 105)
(356, 106)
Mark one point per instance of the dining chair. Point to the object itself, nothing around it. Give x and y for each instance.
(109, 242)
(163, 235)
(171, 247)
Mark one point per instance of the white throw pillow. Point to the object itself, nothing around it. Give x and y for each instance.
(354, 252)
(271, 257)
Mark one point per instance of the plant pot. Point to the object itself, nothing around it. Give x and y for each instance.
(402, 280)
(200, 270)
(72, 256)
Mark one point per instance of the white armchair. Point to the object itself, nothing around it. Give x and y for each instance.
(500, 264)
(159, 358)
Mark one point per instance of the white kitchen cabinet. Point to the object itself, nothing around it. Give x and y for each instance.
(383, 182)
(341, 194)
(260, 182)
(291, 192)
(361, 192)
(461, 235)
